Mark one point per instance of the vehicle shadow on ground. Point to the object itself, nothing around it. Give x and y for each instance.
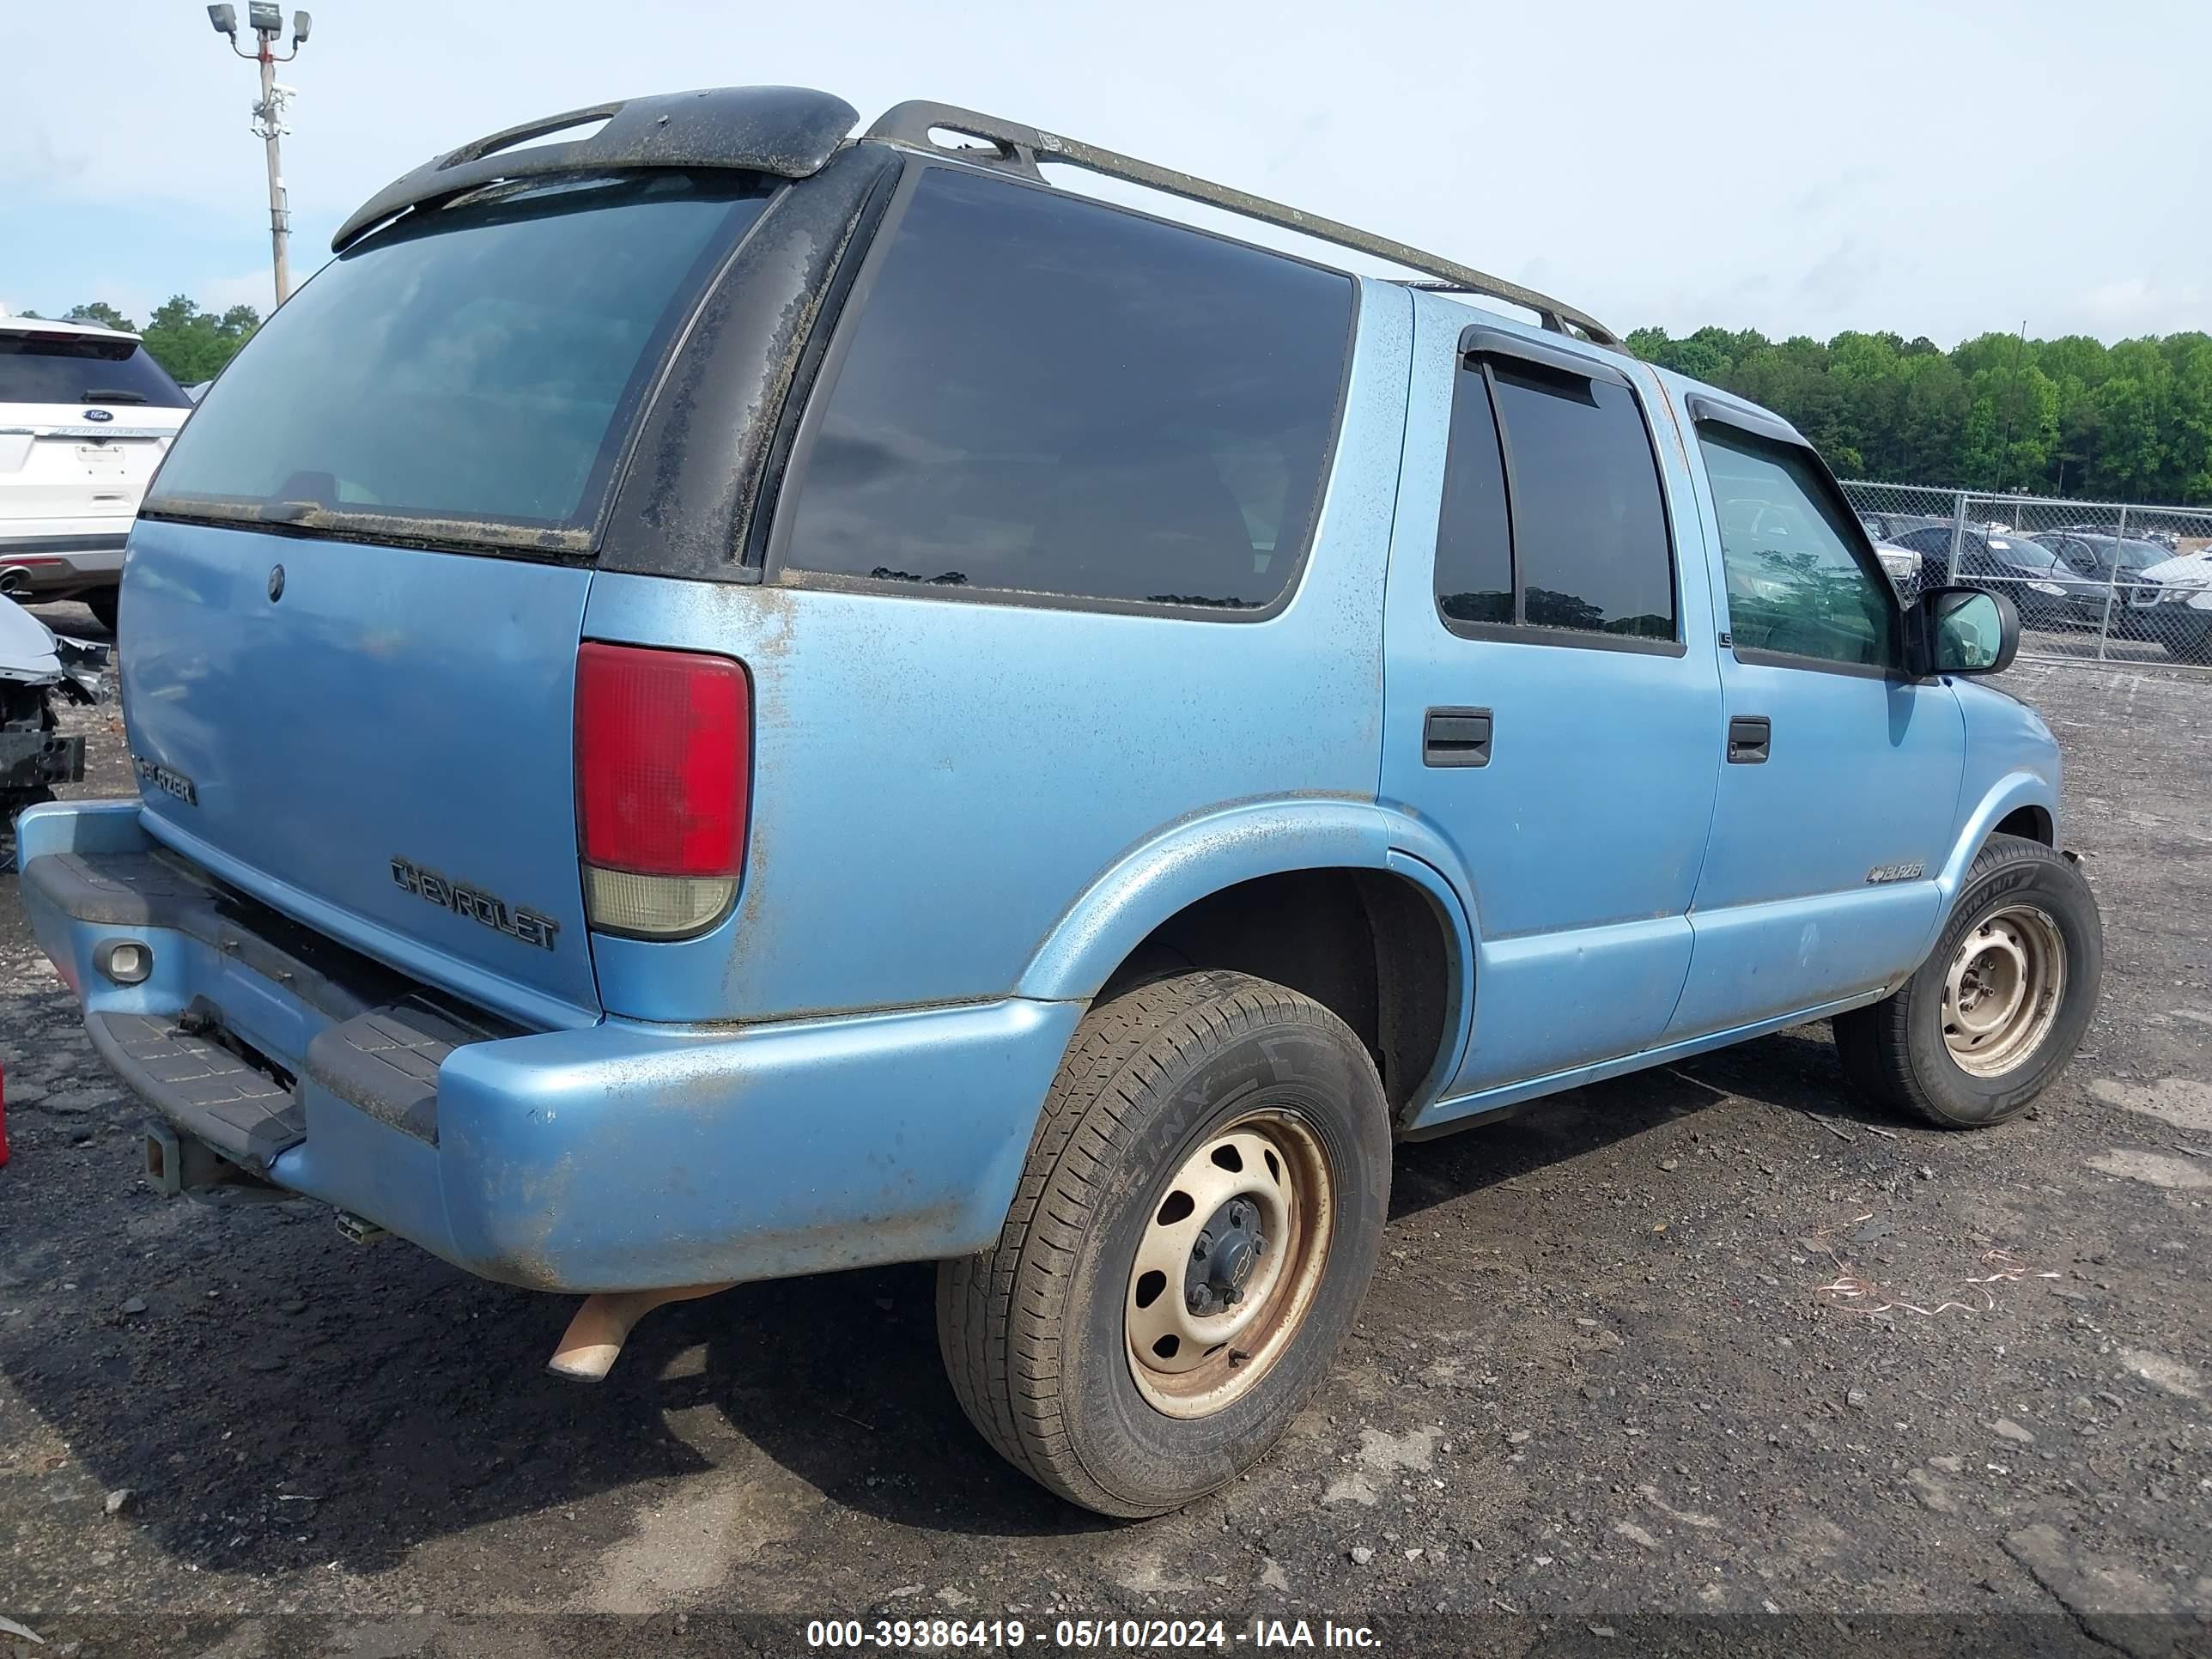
(1791, 1071)
(335, 1404)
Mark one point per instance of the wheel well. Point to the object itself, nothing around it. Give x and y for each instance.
(1369, 947)
(2029, 823)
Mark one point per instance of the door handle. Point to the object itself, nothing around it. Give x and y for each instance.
(1750, 738)
(1456, 737)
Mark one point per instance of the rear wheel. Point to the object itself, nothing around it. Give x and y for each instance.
(1998, 1008)
(1189, 1243)
(103, 602)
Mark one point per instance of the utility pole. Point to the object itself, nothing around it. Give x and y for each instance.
(267, 23)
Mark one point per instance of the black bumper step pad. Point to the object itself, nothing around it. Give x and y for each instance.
(203, 1089)
(385, 1061)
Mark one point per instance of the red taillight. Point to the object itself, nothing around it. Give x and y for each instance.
(663, 775)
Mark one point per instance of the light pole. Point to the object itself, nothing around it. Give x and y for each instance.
(267, 23)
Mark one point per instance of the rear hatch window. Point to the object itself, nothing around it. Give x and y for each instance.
(83, 369)
(468, 374)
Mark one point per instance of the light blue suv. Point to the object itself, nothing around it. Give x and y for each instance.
(713, 701)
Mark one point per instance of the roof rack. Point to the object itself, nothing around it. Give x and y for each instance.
(1020, 147)
(793, 131)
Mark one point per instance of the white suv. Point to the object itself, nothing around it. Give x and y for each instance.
(85, 417)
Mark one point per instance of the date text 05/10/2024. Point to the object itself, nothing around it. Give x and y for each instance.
(1084, 1634)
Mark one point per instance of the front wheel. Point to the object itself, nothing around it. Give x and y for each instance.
(1998, 1008)
(1189, 1242)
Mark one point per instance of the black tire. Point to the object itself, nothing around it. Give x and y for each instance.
(102, 602)
(1032, 1330)
(1895, 1050)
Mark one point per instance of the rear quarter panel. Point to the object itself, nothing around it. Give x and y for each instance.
(937, 782)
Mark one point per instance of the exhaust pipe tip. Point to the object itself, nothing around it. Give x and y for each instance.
(14, 582)
(594, 1338)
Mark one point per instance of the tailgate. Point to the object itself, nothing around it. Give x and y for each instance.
(85, 416)
(381, 744)
(56, 464)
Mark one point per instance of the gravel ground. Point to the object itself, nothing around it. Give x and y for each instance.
(1600, 1400)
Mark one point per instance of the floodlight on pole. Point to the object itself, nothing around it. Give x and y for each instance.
(267, 23)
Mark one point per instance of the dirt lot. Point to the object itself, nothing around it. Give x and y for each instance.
(1602, 1399)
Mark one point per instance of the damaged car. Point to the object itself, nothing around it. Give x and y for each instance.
(36, 667)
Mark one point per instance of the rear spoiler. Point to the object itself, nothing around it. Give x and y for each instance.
(788, 131)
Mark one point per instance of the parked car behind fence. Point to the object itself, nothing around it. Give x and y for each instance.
(2123, 595)
(2103, 610)
(2044, 588)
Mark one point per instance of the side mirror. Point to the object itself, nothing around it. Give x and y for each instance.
(1962, 630)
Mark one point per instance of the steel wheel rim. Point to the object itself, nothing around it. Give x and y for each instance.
(1193, 1362)
(2001, 993)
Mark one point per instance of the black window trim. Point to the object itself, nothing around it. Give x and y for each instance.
(1704, 407)
(820, 359)
(777, 571)
(1479, 344)
(1774, 435)
(1485, 340)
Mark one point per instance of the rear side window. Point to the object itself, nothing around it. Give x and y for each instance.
(83, 368)
(478, 368)
(1553, 517)
(1045, 395)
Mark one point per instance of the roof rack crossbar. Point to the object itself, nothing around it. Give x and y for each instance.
(1021, 147)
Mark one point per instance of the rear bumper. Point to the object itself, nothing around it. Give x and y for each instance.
(62, 555)
(620, 1155)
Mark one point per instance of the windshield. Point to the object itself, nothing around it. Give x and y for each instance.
(83, 368)
(480, 363)
(2029, 556)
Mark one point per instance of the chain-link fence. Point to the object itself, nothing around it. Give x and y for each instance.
(2096, 581)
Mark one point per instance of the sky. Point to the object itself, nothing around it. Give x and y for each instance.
(1802, 167)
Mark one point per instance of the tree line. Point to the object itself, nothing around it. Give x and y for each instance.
(192, 344)
(2131, 421)
(2069, 416)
